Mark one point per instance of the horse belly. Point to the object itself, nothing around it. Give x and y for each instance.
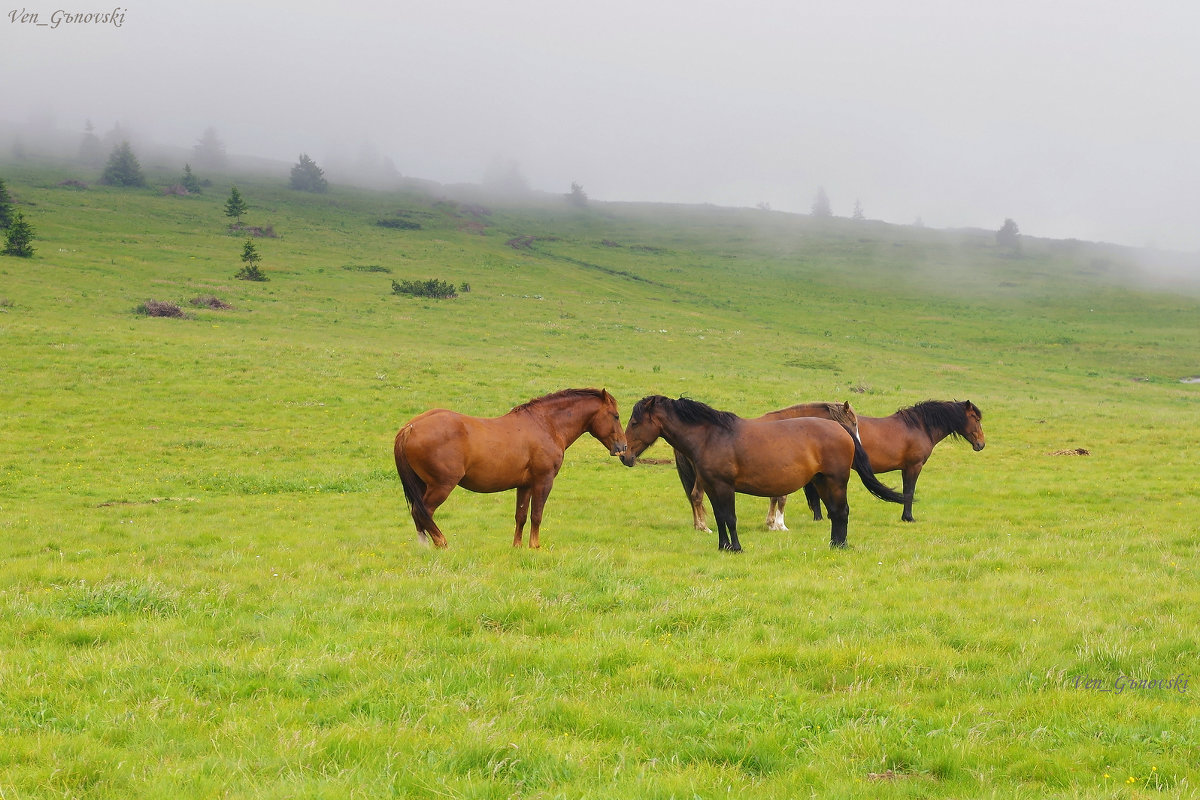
(775, 476)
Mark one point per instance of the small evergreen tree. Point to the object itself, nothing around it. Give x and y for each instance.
(235, 206)
(7, 211)
(18, 241)
(250, 257)
(123, 168)
(189, 181)
(308, 177)
(209, 152)
(90, 152)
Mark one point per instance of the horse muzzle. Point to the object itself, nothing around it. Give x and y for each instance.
(628, 458)
(978, 446)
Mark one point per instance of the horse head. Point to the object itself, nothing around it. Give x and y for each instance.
(845, 416)
(972, 430)
(645, 426)
(606, 425)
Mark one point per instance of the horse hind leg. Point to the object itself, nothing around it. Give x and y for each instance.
(814, 500)
(775, 514)
(833, 493)
(435, 495)
(523, 495)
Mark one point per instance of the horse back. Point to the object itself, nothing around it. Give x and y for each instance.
(482, 454)
(891, 444)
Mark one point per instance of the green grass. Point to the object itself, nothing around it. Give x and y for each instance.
(209, 584)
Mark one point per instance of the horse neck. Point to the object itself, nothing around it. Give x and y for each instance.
(566, 420)
(688, 438)
(935, 432)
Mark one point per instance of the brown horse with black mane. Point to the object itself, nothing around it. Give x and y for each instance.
(521, 450)
(759, 457)
(841, 413)
(905, 441)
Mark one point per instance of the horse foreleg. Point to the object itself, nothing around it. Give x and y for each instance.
(523, 494)
(698, 515)
(726, 514)
(775, 514)
(910, 487)
(540, 495)
(814, 500)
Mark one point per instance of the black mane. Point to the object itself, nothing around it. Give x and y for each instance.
(938, 416)
(694, 412)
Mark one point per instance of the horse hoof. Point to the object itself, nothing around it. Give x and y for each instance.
(839, 546)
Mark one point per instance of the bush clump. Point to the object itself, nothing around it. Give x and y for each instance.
(159, 308)
(210, 301)
(435, 288)
(396, 223)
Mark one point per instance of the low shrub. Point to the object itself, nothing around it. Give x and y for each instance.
(438, 289)
(366, 268)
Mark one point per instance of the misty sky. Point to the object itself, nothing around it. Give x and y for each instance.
(1076, 119)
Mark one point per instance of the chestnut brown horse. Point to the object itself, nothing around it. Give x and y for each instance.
(905, 441)
(838, 412)
(759, 457)
(521, 450)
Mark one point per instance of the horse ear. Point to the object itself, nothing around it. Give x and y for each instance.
(846, 406)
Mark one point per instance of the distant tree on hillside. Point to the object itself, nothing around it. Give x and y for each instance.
(91, 153)
(209, 152)
(858, 211)
(577, 197)
(7, 211)
(308, 177)
(820, 206)
(504, 176)
(123, 168)
(189, 180)
(235, 206)
(1009, 236)
(19, 239)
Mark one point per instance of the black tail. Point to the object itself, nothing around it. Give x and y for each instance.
(862, 465)
(414, 487)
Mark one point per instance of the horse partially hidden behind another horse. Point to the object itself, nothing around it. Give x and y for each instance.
(841, 413)
(905, 441)
(759, 457)
(521, 450)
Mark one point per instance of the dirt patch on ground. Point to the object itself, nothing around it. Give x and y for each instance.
(1078, 451)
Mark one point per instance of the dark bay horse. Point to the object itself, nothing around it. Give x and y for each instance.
(838, 412)
(759, 457)
(521, 450)
(905, 441)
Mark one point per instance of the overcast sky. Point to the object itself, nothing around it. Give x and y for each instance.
(1076, 119)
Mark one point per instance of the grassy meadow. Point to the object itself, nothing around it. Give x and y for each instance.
(210, 585)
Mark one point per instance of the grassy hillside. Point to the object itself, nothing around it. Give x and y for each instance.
(210, 586)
